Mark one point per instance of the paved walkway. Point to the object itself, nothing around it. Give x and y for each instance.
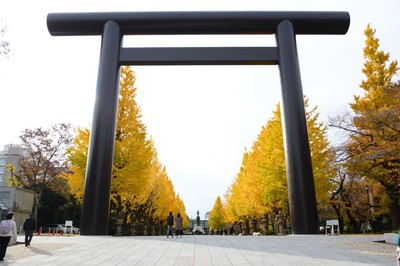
(203, 250)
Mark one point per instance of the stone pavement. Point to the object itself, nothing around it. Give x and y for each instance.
(203, 250)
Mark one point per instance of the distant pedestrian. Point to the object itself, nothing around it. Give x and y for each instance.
(178, 225)
(398, 249)
(8, 231)
(170, 225)
(29, 228)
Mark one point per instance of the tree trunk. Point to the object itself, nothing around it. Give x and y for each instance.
(354, 223)
(339, 216)
(395, 213)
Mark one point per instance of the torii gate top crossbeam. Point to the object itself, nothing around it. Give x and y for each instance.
(198, 22)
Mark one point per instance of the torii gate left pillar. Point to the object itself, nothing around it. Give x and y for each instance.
(113, 26)
(95, 211)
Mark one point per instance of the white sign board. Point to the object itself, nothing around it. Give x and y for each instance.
(332, 222)
(68, 223)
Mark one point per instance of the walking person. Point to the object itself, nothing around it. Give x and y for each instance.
(170, 225)
(8, 230)
(398, 249)
(178, 225)
(29, 228)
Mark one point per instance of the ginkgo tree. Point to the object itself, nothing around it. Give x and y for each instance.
(133, 149)
(217, 220)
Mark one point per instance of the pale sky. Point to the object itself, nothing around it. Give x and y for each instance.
(201, 118)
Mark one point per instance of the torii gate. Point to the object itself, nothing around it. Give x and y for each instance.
(113, 26)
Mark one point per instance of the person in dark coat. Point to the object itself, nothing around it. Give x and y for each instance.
(29, 228)
(178, 225)
(170, 224)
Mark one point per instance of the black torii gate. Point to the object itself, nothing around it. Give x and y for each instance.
(113, 26)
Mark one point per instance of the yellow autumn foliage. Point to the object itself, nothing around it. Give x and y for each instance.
(139, 182)
(261, 184)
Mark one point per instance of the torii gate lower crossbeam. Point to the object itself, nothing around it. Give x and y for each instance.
(113, 26)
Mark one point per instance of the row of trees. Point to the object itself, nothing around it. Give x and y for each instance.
(356, 182)
(259, 190)
(141, 191)
(55, 165)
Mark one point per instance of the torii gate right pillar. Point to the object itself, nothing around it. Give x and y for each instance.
(302, 201)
